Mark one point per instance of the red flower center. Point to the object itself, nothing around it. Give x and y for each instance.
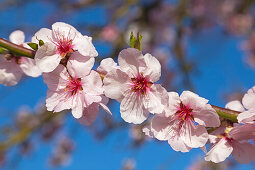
(73, 86)
(183, 114)
(64, 44)
(140, 84)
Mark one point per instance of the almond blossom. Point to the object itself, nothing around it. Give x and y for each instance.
(12, 67)
(75, 87)
(133, 85)
(183, 123)
(59, 42)
(232, 140)
(247, 107)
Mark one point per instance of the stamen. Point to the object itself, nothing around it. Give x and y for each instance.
(140, 84)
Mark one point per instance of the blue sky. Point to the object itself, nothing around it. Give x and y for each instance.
(221, 70)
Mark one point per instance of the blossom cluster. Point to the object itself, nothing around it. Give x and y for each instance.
(66, 58)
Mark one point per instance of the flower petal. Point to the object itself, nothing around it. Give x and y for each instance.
(29, 67)
(44, 34)
(173, 103)
(178, 144)
(61, 29)
(57, 79)
(246, 116)
(57, 101)
(192, 100)
(249, 99)
(89, 114)
(79, 66)
(156, 100)
(194, 136)
(46, 58)
(243, 152)
(219, 152)
(115, 84)
(17, 37)
(92, 84)
(235, 105)
(106, 65)
(84, 46)
(130, 60)
(132, 110)
(207, 117)
(152, 69)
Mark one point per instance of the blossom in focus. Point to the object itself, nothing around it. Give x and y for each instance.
(184, 122)
(12, 67)
(232, 140)
(59, 42)
(247, 107)
(75, 86)
(133, 85)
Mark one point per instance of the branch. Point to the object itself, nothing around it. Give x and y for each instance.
(16, 49)
(226, 113)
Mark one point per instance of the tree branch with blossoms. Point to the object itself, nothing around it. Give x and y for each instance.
(66, 58)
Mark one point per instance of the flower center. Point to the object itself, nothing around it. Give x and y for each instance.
(140, 84)
(183, 114)
(64, 44)
(73, 86)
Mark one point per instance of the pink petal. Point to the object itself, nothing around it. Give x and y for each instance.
(57, 101)
(10, 72)
(57, 79)
(131, 109)
(44, 34)
(65, 30)
(249, 99)
(219, 152)
(173, 103)
(235, 105)
(207, 117)
(162, 128)
(92, 84)
(84, 46)
(192, 100)
(246, 116)
(243, 152)
(106, 65)
(79, 66)
(77, 107)
(130, 60)
(29, 67)
(115, 84)
(89, 114)
(178, 144)
(46, 58)
(17, 37)
(156, 100)
(194, 136)
(243, 132)
(152, 69)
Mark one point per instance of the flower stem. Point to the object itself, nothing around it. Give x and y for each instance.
(226, 113)
(16, 49)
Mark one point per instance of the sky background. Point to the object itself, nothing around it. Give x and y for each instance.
(220, 70)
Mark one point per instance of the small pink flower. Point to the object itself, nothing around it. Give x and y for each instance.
(13, 68)
(234, 140)
(62, 40)
(184, 122)
(75, 87)
(132, 84)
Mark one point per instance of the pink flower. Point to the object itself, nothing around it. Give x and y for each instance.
(132, 84)
(62, 40)
(234, 140)
(75, 86)
(13, 67)
(184, 122)
(247, 107)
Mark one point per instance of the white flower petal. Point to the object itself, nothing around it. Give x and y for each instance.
(249, 99)
(152, 69)
(43, 34)
(192, 100)
(89, 114)
(235, 105)
(17, 37)
(29, 67)
(84, 46)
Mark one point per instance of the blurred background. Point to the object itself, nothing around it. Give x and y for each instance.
(203, 45)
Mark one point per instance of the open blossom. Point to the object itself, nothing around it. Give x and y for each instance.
(247, 107)
(75, 87)
(59, 42)
(132, 84)
(12, 68)
(232, 140)
(184, 122)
